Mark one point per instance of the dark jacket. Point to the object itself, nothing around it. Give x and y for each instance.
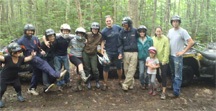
(128, 41)
(29, 44)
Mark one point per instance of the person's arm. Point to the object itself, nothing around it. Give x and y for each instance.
(156, 66)
(166, 52)
(120, 47)
(2, 59)
(102, 47)
(29, 58)
(46, 42)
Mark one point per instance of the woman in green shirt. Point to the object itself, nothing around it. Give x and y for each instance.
(161, 43)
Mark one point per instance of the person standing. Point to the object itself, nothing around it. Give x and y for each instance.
(90, 53)
(161, 43)
(177, 37)
(110, 36)
(128, 50)
(143, 43)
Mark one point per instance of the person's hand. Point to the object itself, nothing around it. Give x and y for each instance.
(180, 53)
(33, 53)
(120, 56)
(43, 52)
(47, 43)
(102, 51)
(163, 63)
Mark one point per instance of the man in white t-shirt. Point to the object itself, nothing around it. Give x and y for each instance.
(177, 37)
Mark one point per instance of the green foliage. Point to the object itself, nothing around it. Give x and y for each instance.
(44, 14)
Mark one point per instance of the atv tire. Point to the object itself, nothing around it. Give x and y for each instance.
(187, 75)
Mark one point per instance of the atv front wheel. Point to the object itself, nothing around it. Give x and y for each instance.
(187, 75)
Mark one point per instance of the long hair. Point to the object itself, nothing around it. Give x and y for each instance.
(156, 29)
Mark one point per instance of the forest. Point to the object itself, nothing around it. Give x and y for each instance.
(198, 16)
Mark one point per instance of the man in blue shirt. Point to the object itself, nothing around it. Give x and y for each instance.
(110, 36)
(30, 43)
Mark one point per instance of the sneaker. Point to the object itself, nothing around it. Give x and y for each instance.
(49, 87)
(163, 96)
(20, 98)
(62, 74)
(159, 89)
(154, 93)
(143, 87)
(1, 104)
(104, 88)
(89, 85)
(60, 89)
(33, 92)
(97, 85)
(79, 87)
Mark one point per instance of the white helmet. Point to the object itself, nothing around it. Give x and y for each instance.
(65, 27)
(104, 60)
(80, 30)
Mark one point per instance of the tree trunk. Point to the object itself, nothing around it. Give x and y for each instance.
(167, 15)
(153, 19)
(133, 11)
(114, 12)
(193, 29)
(179, 7)
(207, 24)
(200, 17)
(77, 2)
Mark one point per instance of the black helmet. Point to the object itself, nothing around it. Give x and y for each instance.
(176, 17)
(127, 20)
(95, 25)
(29, 27)
(13, 47)
(142, 27)
(49, 32)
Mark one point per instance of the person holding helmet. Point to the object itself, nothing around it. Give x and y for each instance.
(152, 63)
(76, 48)
(128, 48)
(62, 42)
(30, 43)
(143, 43)
(90, 52)
(177, 37)
(110, 36)
(48, 80)
(9, 74)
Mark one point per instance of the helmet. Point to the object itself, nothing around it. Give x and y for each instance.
(95, 25)
(65, 27)
(142, 27)
(13, 47)
(176, 17)
(80, 30)
(152, 49)
(49, 32)
(127, 20)
(29, 27)
(104, 60)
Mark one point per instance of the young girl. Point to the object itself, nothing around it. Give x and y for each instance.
(152, 63)
(161, 43)
(9, 73)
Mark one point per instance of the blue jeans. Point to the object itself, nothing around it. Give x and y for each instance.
(176, 65)
(58, 61)
(39, 65)
(143, 77)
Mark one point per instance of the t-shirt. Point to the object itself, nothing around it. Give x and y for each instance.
(62, 44)
(111, 36)
(10, 70)
(153, 62)
(177, 40)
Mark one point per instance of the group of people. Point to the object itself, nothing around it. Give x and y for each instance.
(50, 59)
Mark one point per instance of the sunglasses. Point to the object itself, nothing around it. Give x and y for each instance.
(20, 51)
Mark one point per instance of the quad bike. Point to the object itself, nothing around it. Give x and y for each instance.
(199, 63)
(25, 68)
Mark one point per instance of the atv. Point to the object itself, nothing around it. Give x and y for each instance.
(199, 63)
